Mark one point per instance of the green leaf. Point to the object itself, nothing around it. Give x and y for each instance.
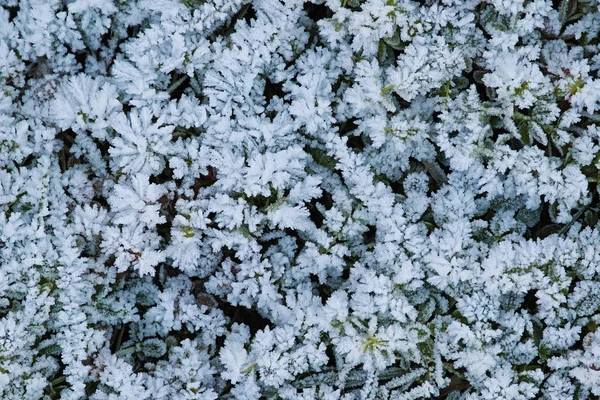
(322, 158)
(249, 368)
(387, 90)
(478, 76)
(246, 232)
(188, 231)
(591, 218)
(524, 133)
(538, 331)
(395, 42)
(563, 10)
(591, 173)
(548, 230)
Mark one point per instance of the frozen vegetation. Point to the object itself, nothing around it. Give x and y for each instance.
(280, 199)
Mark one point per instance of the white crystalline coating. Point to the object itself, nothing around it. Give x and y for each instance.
(325, 199)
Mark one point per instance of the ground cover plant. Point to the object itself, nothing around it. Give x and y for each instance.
(223, 199)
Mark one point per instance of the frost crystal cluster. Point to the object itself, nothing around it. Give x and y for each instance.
(289, 199)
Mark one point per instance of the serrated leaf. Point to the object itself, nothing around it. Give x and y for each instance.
(563, 11)
(524, 134)
(591, 218)
(321, 157)
(395, 41)
(548, 230)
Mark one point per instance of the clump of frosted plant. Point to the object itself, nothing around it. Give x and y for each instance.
(340, 199)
